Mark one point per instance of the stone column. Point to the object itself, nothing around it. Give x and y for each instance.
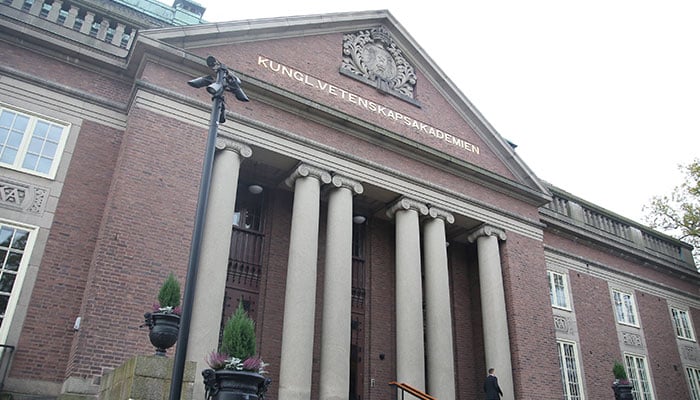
(337, 291)
(55, 10)
(438, 315)
(86, 28)
(300, 295)
(210, 287)
(493, 306)
(410, 361)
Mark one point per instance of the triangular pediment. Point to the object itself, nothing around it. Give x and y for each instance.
(362, 71)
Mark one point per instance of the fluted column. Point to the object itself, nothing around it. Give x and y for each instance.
(210, 287)
(493, 306)
(337, 291)
(300, 294)
(410, 361)
(438, 315)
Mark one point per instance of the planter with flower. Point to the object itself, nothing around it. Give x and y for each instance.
(236, 372)
(164, 320)
(622, 387)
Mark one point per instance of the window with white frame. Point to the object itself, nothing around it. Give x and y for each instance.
(624, 308)
(694, 382)
(570, 376)
(681, 320)
(14, 255)
(29, 143)
(638, 374)
(558, 290)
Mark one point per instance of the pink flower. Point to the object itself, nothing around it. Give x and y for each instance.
(217, 360)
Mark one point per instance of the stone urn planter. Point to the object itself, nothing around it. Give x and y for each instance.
(234, 385)
(235, 372)
(164, 321)
(164, 328)
(622, 390)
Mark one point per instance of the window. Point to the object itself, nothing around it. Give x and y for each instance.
(694, 382)
(30, 144)
(14, 255)
(681, 320)
(637, 372)
(624, 308)
(570, 377)
(558, 292)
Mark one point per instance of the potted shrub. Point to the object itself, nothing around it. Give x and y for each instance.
(235, 371)
(164, 320)
(621, 386)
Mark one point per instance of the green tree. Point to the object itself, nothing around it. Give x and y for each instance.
(678, 214)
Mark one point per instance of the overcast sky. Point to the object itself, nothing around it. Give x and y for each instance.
(601, 97)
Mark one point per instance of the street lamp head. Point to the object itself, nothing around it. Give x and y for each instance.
(201, 82)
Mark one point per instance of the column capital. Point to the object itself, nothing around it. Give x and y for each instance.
(407, 203)
(486, 230)
(228, 144)
(340, 181)
(304, 170)
(442, 214)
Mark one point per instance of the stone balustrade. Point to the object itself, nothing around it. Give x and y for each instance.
(79, 18)
(627, 232)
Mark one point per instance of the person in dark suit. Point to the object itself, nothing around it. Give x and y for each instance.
(491, 388)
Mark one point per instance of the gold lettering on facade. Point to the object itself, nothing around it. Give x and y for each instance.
(369, 105)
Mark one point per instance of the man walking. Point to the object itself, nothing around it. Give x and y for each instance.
(491, 388)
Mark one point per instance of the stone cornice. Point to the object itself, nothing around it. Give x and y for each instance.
(228, 144)
(486, 230)
(343, 181)
(305, 170)
(406, 203)
(442, 214)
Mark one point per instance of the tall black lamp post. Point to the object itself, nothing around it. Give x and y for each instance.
(216, 86)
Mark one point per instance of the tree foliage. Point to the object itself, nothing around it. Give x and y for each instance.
(239, 335)
(169, 294)
(678, 214)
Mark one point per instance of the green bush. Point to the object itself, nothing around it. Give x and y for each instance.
(239, 335)
(619, 371)
(169, 295)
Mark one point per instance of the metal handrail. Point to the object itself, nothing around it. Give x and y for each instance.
(405, 387)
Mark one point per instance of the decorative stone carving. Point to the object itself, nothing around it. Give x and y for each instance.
(690, 353)
(343, 181)
(224, 143)
(632, 339)
(443, 214)
(486, 230)
(371, 56)
(304, 170)
(561, 324)
(406, 203)
(22, 197)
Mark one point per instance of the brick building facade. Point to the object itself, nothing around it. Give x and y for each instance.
(461, 258)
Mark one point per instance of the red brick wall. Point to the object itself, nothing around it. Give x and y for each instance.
(380, 329)
(50, 70)
(663, 358)
(530, 321)
(597, 333)
(145, 234)
(278, 217)
(45, 341)
(466, 314)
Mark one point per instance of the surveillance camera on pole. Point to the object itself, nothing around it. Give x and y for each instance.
(216, 86)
